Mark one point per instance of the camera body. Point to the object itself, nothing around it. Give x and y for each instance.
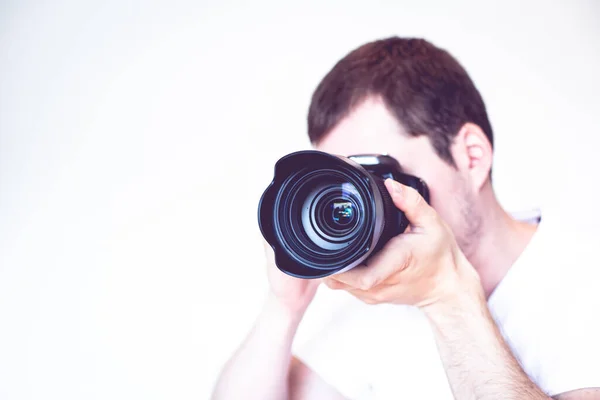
(324, 214)
(384, 167)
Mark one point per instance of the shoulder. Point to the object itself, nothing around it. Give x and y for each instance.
(570, 258)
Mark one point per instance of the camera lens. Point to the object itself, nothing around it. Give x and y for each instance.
(323, 214)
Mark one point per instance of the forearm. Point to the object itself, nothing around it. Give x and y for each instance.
(479, 365)
(260, 368)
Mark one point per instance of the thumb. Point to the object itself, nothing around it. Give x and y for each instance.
(408, 200)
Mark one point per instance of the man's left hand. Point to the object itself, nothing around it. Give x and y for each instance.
(422, 267)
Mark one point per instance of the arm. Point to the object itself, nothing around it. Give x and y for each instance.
(424, 267)
(263, 367)
(261, 364)
(478, 363)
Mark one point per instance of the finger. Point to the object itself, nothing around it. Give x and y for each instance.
(398, 294)
(334, 284)
(414, 206)
(362, 296)
(366, 296)
(369, 297)
(394, 257)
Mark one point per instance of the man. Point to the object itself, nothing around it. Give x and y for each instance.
(512, 305)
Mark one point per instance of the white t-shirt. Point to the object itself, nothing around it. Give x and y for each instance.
(547, 307)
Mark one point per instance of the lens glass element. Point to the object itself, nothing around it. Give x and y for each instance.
(331, 212)
(325, 216)
(342, 212)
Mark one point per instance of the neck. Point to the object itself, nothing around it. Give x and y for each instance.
(501, 241)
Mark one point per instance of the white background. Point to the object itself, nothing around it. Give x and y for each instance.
(137, 137)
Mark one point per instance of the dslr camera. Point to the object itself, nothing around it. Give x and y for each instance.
(323, 214)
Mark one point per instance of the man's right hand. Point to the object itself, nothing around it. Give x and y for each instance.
(294, 294)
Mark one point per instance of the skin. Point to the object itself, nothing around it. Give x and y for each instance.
(462, 196)
(455, 253)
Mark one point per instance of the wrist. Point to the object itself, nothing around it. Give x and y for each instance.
(459, 305)
(281, 311)
(464, 295)
(277, 326)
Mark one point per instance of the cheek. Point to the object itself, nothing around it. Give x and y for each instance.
(440, 186)
(442, 203)
(445, 199)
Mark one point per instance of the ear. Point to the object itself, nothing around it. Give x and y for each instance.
(472, 153)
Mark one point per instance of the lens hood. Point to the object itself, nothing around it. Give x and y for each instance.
(292, 209)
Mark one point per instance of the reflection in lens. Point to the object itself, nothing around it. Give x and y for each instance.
(331, 214)
(336, 216)
(343, 212)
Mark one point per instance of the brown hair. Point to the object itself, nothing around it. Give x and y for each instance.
(426, 89)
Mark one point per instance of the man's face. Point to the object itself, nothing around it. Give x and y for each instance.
(371, 128)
